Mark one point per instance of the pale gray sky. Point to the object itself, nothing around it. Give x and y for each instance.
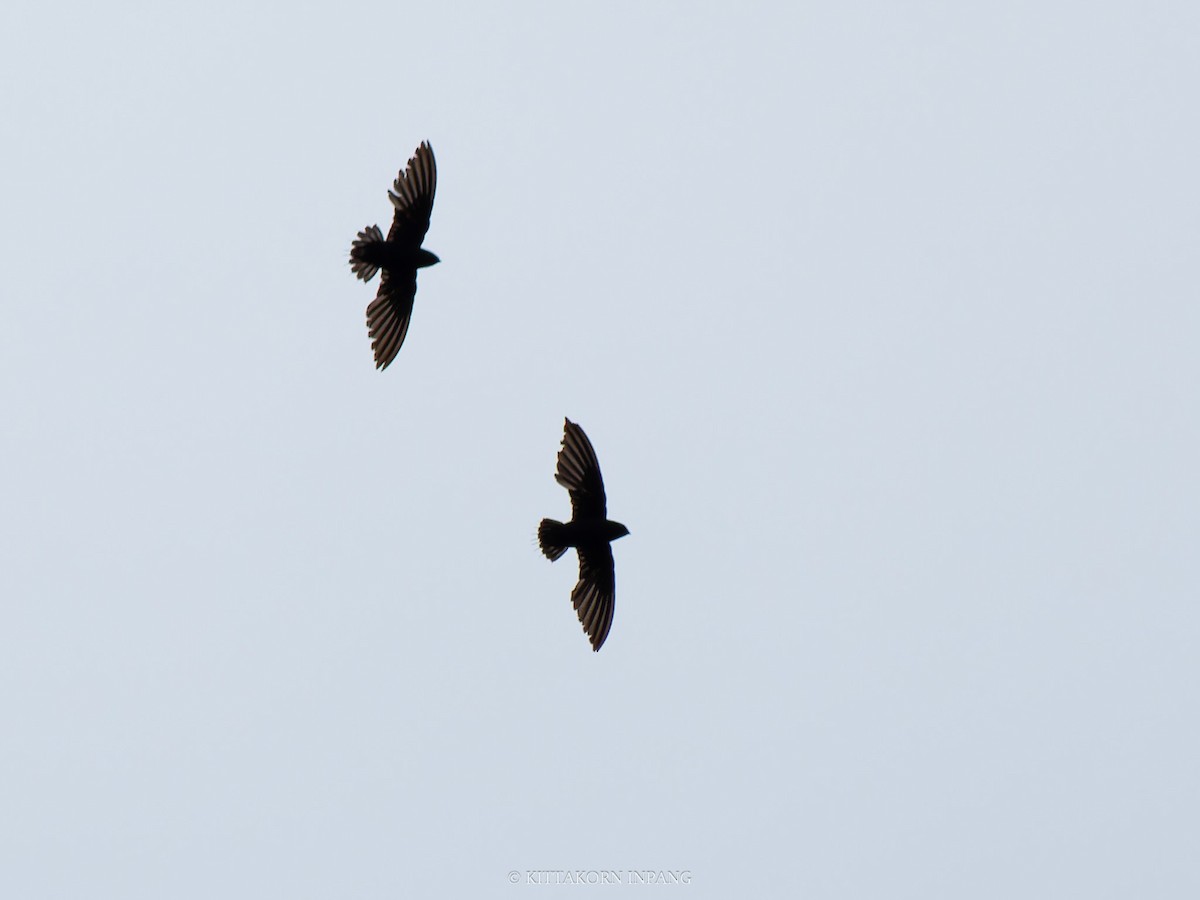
(882, 319)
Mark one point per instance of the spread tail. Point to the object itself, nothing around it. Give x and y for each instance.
(552, 539)
(363, 269)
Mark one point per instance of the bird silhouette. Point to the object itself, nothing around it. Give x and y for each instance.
(399, 256)
(590, 532)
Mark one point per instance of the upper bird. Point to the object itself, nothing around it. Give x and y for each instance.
(399, 256)
(590, 532)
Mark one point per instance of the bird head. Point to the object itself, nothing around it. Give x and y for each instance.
(615, 530)
(425, 258)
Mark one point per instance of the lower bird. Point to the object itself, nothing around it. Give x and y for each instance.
(399, 256)
(590, 532)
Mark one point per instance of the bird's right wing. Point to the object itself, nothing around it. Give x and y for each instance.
(412, 196)
(389, 313)
(579, 472)
(594, 595)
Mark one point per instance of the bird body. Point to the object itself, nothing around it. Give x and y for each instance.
(556, 536)
(589, 531)
(390, 256)
(399, 256)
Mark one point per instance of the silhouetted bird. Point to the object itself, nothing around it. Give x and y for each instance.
(590, 532)
(399, 256)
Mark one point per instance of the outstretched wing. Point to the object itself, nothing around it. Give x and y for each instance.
(579, 472)
(412, 195)
(595, 593)
(389, 313)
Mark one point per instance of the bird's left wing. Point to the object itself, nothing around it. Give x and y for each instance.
(389, 313)
(594, 595)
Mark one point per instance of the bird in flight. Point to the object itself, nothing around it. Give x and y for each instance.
(590, 532)
(399, 256)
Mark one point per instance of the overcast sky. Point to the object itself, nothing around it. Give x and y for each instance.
(881, 317)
